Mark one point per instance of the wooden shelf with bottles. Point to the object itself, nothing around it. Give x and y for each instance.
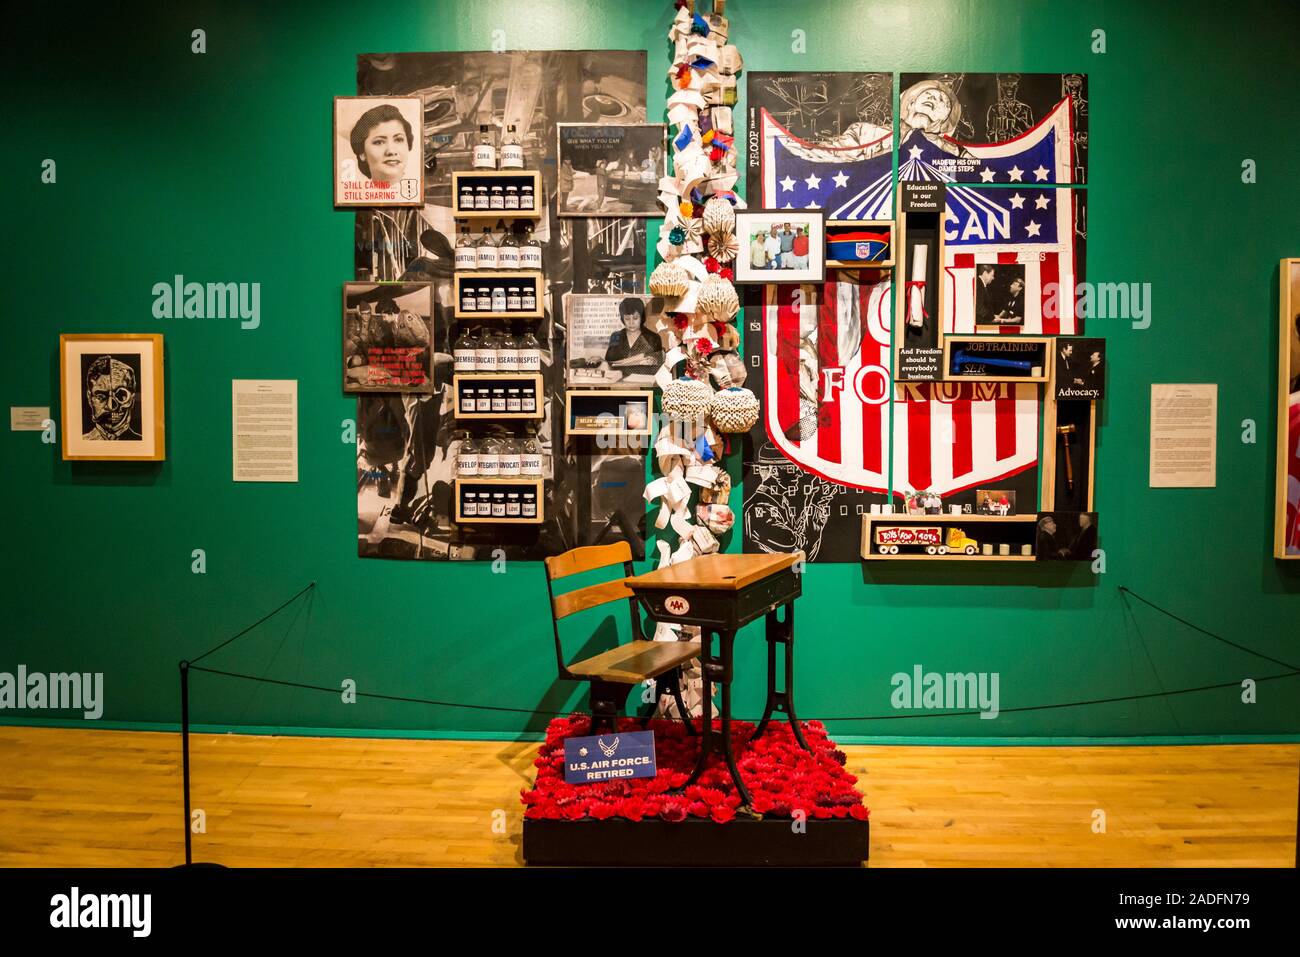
(461, 381)
(524, 278)
(497, 177)
(521, 486)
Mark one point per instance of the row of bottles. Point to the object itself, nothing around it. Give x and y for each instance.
(517, 248)
(496, 350)
(499, 503)
(505, 197)
(487, 156)
(497, 297)
(499, 454)
(497, 398)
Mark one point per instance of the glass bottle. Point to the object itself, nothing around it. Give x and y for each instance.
(466, 252)
(489, 457)
(466, 196)
(485, 251)
(526, 196)
(530, 251)
(498, 298)
(530, 353)
(485, 150)
(527, 298)
(510, 463)
(513, 301)
(468, 298)
(467, 457)
(465, 352)
(486, 353)
(508, 249)
(481, 198)
(512, 151)
(507, 352)
(530, 456)
(483, 299)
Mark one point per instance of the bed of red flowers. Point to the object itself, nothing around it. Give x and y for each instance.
(782, 778)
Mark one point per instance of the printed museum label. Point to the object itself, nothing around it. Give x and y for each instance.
(1183, 435)
(28, 418)
(264, 429)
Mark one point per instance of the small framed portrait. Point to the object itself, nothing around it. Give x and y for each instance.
(999, 296)
(613, 339)
(111, 391)
(994, 501)
(781, 245)
(1066, 537)
(387, 337)
(610, 170)
(378, 151)
(1080, 368)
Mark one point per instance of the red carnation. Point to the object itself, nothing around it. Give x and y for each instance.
(722, 814)
(712, 796)
(711, 264)
(762, 802)
(859, 812)
(673, 811)
(631, 808)
(533, 813)
(697, 809)
(573, 812)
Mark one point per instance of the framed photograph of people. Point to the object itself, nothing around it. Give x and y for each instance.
(378, 151)
(1287, 536)
(610, 170)
(780, 245)
(612, 339)
(111, 392)
(387, 336)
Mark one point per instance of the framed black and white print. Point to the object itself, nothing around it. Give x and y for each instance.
(111, 392)
(387, 337)
(781, 245)
(378, 151)
(610, 170)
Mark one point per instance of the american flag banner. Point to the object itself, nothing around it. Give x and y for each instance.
(850, 177)
(1043, 154)
(999, 226)
(952, 436)
(826, 373)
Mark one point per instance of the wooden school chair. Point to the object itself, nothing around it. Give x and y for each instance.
(612, 673)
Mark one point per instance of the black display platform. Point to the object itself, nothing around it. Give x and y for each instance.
(696, 842)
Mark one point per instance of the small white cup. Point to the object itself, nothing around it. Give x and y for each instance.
(988, 549)
(954, 509)
(1004, 549)
(886, 510)
(1026, 550)
(875, 509)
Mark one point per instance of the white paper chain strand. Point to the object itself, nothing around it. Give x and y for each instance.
(700, 129)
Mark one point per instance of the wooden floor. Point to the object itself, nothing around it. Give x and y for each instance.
(107, 798)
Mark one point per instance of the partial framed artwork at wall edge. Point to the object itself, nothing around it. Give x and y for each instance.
(1286, 541)
(111, 394)
(378, 151)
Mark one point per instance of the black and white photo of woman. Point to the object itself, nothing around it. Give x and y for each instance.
(634, 349)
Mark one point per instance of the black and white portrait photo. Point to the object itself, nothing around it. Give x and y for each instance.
(1080, 368)
(1066, 536)
(608, 170)
(612, 339)
(378, 151)
(387, 337)
(999, 294)
(112, 397)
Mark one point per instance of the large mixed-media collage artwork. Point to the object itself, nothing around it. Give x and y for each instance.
(407, 443)
(841, 430)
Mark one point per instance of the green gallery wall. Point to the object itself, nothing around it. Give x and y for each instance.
(217, 167)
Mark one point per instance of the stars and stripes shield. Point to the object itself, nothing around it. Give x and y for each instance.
(850, 177)
(1042, 154)
(826, 368)
(1033, 228)
(952, 436)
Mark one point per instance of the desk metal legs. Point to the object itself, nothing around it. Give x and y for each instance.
(781, 633)
(717, 668)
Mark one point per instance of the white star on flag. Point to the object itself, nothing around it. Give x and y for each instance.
(813, 180)
(914, 153)
(1033, 229)
(1041, 173)
(812, 206)
(986, 175)
(1017, 201)
(1041, 202)
(787, 184)
(787, 206)
(583, 752)
(841, 178)
(1015, 173)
